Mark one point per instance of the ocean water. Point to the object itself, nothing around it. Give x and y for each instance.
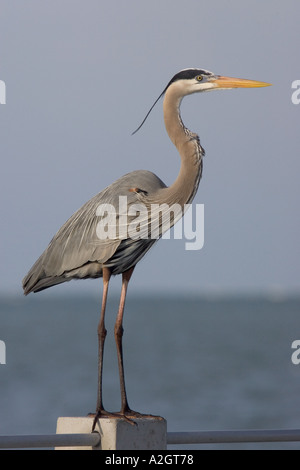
(202, 363)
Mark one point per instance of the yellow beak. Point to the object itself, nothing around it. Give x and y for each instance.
(229, 82)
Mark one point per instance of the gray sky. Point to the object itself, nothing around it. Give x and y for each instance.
(80, 76)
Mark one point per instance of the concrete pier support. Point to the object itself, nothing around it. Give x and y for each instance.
(148, 433)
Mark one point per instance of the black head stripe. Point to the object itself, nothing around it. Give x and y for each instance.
(188, 74)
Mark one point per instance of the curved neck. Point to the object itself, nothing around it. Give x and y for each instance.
(184, 188)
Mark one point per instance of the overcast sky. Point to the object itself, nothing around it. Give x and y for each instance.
(80, 76)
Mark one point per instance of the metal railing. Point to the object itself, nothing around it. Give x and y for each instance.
(233, 437)
(173, 438)
(50, 441)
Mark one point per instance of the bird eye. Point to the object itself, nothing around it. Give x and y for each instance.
(199, 78)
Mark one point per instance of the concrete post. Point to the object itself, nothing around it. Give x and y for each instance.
(149, 433)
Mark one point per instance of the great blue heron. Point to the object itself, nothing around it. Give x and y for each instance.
(76, 252)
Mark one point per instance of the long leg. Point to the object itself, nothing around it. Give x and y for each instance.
(101, 339)
(118, 337)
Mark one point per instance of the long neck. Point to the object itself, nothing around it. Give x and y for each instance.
(184, 188)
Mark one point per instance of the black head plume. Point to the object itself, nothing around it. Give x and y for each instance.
(186, 74)
(150, 111)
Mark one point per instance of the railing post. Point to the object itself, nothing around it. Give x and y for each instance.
(148, 433)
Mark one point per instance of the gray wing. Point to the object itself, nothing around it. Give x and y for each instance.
(76, 251)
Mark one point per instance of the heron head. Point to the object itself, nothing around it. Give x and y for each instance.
(190, 81)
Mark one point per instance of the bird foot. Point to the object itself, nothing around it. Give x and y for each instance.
(131, 414)
(128, 415)
(100, 414)
(107, 414)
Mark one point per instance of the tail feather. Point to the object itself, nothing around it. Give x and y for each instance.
(36, 286)
(37, 279)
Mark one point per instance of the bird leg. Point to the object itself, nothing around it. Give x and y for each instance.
(125, 412)
(118, 337)
(101, 339)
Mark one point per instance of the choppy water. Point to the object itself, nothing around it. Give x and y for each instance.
(203, 364)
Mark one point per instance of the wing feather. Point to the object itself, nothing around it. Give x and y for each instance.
(76, 250)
